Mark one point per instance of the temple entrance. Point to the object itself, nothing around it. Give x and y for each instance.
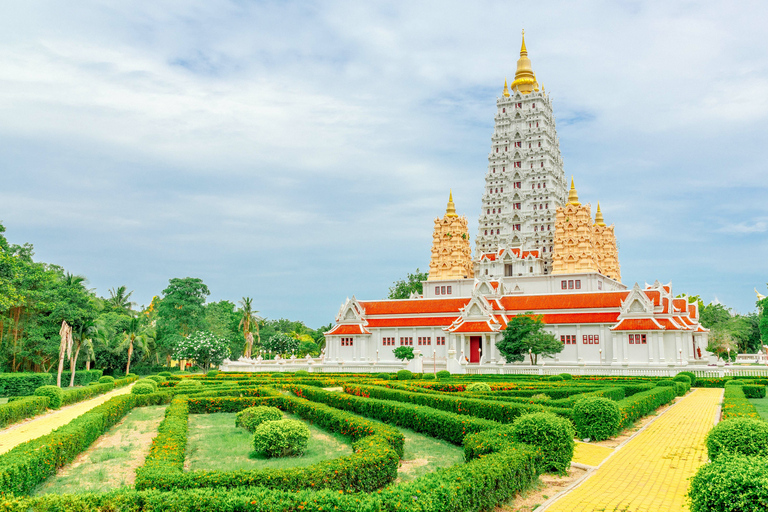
(475, 348)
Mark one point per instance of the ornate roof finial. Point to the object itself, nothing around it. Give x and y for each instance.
(525, 80)
(506, 91)
(599, 217)
(573, 196)
(450, 211)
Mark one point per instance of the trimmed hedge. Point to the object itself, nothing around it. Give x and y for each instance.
(23, 384)
(106, 379)
(281, 438)
(752, 391)
(82, 377)
(550, 433)
(478, 387)
(596, 418)
(54, 394)
(252, 417)
(736, 405)
(22, 408)
(729, 484)
(443, 374)
(404, 375)
(638, 405)
(743, 436)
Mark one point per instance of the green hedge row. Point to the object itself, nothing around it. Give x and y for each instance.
(71, 396)
(440, 424)
(23, 384)
(30, 463)
(736, 404)
(374, 464)
(640, 404)
(82, 377)
(23, 408)
(503, 412)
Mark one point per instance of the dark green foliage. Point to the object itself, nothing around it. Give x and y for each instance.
(142, 389)
(164, 374)
(302, 373)
(566, 376)
(252, 417)
(212, 373)
(404, 353)
(54, 394)
(751, 391)
(157, 378)
(74, 395)
(403, 288)
(404, 375)
(640, 404)
(711, 383)
(596, 418)
(383, 376)
(690, 375)
(23, 384)
(525, 336)
(281, 438)
(680, 377)
(443, 374)
(22, 408)
(554, 378)
(428, 376)
(730, 484)
(82, 377)
(550, 433)
(744, 436)
(105, 379)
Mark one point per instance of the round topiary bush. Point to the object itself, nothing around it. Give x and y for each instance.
(566, 376)
(212, 373)
(164, 374)
(383, 376)
(596, 418)
(54, 393)
(478, 387)
(541, 397)
(189, 383)
(666, 383)
(105, 379)
(429, 376)
(555, 378)
(682, 378)
(734, 483)
(552, 434)
(130, 375)
(252, 417)
(149, 382)
(443, 374)
(690, 375)
(156, 378)
(302, 373)
(404, 375)
(142, 389)
(734, 382)
(281, 438)
(744, 436)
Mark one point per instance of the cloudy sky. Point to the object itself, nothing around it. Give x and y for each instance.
(298, 152)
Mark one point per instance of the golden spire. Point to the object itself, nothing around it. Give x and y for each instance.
(451, 210)
(506, 91)
(525, 80)
(573, 196)
(599, 217)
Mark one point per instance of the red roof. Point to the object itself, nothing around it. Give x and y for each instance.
(493, 255)
(563, 301)
(637, 324)
(473, 327)
(668, 324)
(692, 311)
(654, 295)
(680, 305)
(413, 306)
(581, 318)
(348, 329)
(412, 322)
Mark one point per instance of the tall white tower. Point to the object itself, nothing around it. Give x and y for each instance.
(525, 182)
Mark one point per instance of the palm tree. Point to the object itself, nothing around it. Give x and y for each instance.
(248, 321)
(137, 333)
(120, 300)
(83, 338)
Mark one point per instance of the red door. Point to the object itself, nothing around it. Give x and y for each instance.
(475, 349)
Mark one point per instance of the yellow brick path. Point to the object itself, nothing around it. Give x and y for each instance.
(651, 472)
(590, 454)
(47, 423)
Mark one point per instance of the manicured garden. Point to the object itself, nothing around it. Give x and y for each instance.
(383, 442)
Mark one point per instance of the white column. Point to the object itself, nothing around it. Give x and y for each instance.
(662, 350)
(614, 343)
(578, 343)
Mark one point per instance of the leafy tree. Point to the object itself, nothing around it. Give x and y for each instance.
(281, 343)
(119, 300)
(308, 347)
(139, 334)
(714, 315)
(525, 335)
(180, 312)
(403, 288)
(404, 353)
(203, 347)
(762, 320)
(249, 322)
(721, 344)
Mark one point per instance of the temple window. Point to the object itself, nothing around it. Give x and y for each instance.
(570, 284)
(449, 290)
(442, 290)
(503, 110)
(564, 285)
(440, 340)
(637, 339)
(578, 284)
(437, 290)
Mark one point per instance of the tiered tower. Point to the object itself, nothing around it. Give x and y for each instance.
(451, 253)
(581, 245)
(525, 182)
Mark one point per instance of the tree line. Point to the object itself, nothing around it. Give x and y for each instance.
(113, 333)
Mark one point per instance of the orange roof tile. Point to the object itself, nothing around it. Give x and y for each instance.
(668, 324)
(411, 322)
(348, 329)
(563, 301)
(637, 324)
(692, 311)
(413, 306)
(473, 327)
(680, 305)
(580, 318)
(654, 295)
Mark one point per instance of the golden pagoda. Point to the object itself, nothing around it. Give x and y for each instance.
(525, 79)
(451, 253)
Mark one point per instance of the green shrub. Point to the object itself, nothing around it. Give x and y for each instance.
(54, 394)
(95, 383)
(404, 375)
(665, 383)
(550, 433)
(130, 375)
(148, 382)
(25, 407)
(429, 376)
(744, 436)
(301, 373)
(418, 376)
(596, 418)
(640, 404)
(555, 378)
(281, 438)
(566, 376)
(690, 375)
(252, 417)
(443, 374)
(734, 483)
(736, 404)
(541, 397)
(478, 387)
(734, 382)
(164, 374)
(189, 383)
(751, 391)
(142, 388)
(157, 378)
(212, 373)
(680, 377)
(382, 376)
(105, 379)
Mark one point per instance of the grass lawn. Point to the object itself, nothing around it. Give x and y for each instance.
(424, 454)
(111, 461)
(761, 404)
(214, 443)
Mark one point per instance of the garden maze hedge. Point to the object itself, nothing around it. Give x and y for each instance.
(369, 412)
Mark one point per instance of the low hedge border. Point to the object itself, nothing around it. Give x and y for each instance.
(374, 464)
(30, 463)
(736, 404)
(23, 384)
(21, 409)
(643, 403)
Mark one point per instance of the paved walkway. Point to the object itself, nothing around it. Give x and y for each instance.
(47, 423)
(651, 472)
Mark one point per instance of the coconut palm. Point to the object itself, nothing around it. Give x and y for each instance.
(136, 334)
(119, 299)
(249, 320)
(82, 338)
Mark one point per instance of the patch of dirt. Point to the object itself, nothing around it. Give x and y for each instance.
(408, 465)
(548, 486)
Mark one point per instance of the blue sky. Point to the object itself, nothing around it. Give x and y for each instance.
(298, 152)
